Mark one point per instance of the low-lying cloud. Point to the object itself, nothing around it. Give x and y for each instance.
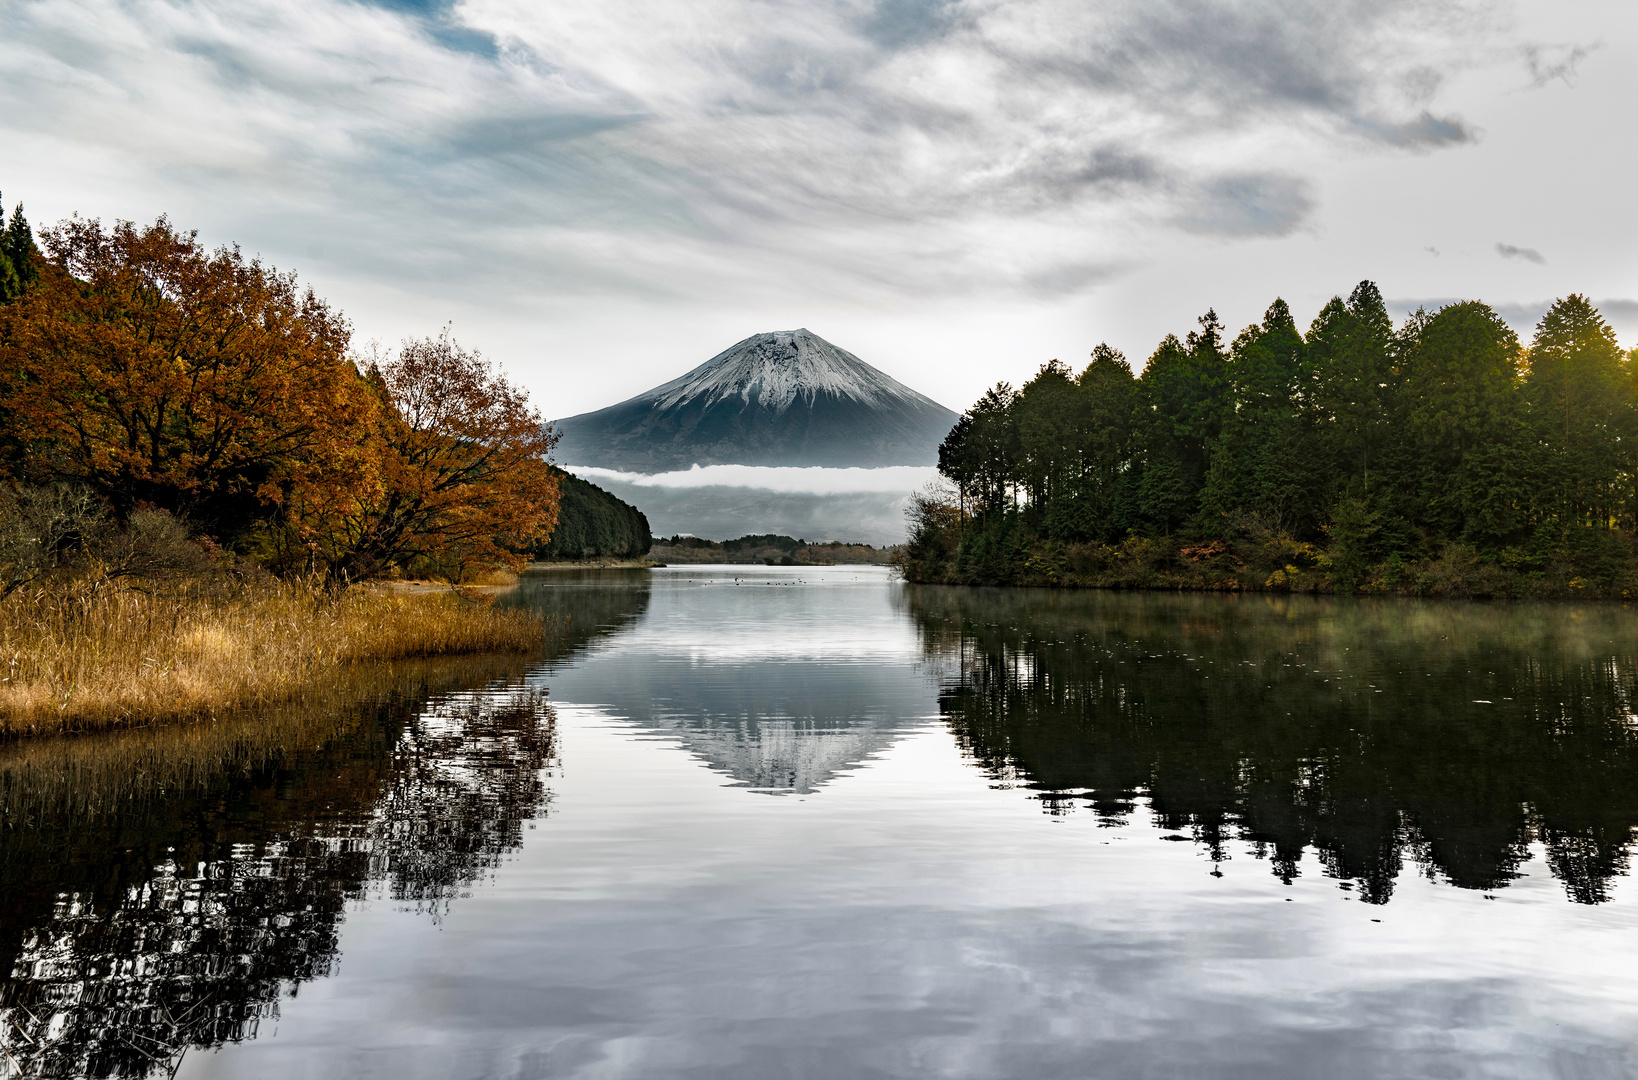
(897, 479)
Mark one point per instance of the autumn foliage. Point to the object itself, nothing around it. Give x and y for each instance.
(459, 472)
(161, 375)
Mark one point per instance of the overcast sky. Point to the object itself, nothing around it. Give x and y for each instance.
(600, 195)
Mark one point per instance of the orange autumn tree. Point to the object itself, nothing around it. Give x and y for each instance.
(200, 382)
(462, 477)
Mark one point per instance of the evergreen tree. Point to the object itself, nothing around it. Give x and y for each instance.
(1261, 466)
(1101, 507)
(1350, 355)
(1464, 414)
(10, 283)
(1054, 418)
(17, 256)
(981, 455)
(1186, 400)
(1581, 408)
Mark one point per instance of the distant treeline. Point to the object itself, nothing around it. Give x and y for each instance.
(591, 523)
(1441, 457)
(774, 549)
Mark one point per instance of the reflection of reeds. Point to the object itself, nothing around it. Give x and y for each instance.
(161, 888)
(69, 778)
(81, 659)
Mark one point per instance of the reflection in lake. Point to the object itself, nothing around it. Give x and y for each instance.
(141, 918)
(1380, 735)
(357, 888)
(741, 666)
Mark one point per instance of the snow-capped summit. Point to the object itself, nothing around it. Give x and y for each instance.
(785, 398)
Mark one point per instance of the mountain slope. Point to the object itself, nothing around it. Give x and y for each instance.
(786, 398)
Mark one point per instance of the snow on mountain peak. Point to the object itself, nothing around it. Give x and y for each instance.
(777, 369)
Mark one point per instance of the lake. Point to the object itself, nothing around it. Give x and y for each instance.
(813, 822)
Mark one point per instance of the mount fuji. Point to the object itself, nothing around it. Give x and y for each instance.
(789, 398)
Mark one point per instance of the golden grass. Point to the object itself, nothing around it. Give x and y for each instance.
(75, 660)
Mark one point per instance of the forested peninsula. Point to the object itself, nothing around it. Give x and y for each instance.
(593, 524)
(1443, 457)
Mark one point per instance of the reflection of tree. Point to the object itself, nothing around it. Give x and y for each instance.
(175, 921)
(466, 775)
(1451, 736)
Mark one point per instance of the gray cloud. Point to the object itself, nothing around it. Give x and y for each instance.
(895, 145)
(1424, 131)
(896, 24)
(1624, 310)
(1247, 205)
(1555, 63)
(1509, 251)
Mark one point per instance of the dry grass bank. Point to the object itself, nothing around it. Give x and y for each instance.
(81, 659)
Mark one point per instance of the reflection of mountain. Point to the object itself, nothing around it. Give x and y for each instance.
(768, 704)
(782, 756)
(781, 733)
(1454, 736)
(173, 916)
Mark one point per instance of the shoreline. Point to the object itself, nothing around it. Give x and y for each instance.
(1431, 579)
(136, 659)
(591, 564)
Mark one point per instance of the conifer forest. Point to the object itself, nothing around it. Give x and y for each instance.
(1442, 457)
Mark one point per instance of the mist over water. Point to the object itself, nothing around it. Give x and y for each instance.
(811, 821)
(721, 502)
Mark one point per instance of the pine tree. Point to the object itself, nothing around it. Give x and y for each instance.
(1186, 391)
(11, 283)
(1261, 466)
(1464, 413)
(1581, 412)
(1351, 358)
(1101, 509)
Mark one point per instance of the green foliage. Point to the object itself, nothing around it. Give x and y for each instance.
(591, 523)
(1442, 458)
(763, 540)
(17, 254)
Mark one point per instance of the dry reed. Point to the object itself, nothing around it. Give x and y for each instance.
(77, 659)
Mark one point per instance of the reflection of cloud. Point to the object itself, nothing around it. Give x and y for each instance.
(815, 480)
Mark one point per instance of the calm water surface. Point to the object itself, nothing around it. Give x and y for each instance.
(763, 822)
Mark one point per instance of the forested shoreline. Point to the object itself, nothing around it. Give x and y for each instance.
(157, 375)
(1442, 457)
(198, 468)
(594, 524)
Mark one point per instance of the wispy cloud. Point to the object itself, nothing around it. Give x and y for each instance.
(1555, 63)
(865, 145)
(1509, 251)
